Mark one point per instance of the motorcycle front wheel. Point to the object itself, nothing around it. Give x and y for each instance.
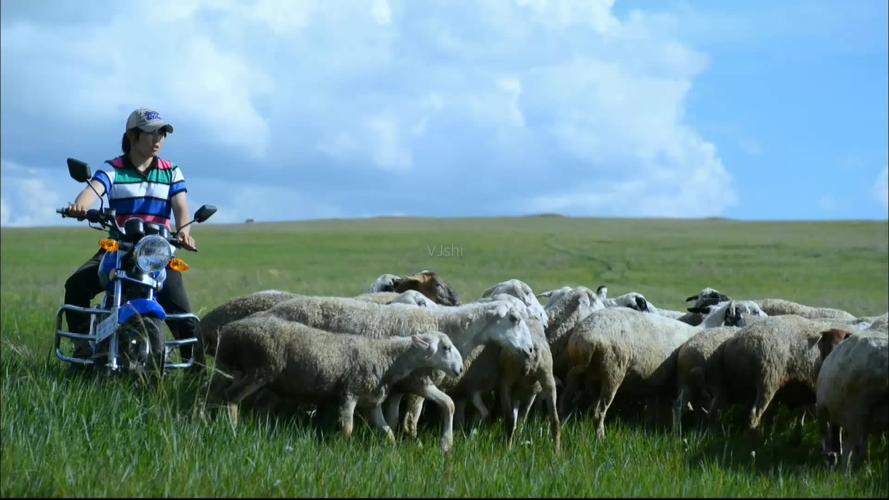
(141, 341)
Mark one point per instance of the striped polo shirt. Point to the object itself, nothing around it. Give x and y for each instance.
(146, 196)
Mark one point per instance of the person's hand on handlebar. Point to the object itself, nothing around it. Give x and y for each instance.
(186, 241)
(77, 210)
(86, 199)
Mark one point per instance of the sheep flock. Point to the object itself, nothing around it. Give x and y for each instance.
(405, 340)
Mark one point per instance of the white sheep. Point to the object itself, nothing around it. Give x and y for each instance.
(565, 309)
(555, 294)
(468, 326)
(518, 379)
(377, 297)
(623, 348)
(312, 365)
(632, 300)
(618, 347)
(233, 310)
(406, 297)
(778, 307)
(765, 356)
(692, 359)
(416, 298)
(520, 290)
(852, 392)
(494, 321)
(694, 355)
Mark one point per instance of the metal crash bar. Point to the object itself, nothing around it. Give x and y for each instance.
(168, 344)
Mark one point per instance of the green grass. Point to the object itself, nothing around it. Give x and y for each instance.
(65, 435)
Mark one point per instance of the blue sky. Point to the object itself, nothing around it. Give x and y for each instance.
(290, 110)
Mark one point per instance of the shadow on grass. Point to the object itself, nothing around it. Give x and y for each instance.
(786, 445)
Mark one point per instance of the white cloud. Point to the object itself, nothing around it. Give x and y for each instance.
(381, 11)
(389, 152)
(591, 104)
(881, 188)
(82, 77)
(563, 13)
(247, 200)
(27, 199)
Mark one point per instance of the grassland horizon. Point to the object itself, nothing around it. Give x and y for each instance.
(500, 217)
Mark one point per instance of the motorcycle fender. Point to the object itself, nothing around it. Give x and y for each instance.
(106, 265)
(144, 307)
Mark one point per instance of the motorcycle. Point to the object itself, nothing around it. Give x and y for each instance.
(126, 332)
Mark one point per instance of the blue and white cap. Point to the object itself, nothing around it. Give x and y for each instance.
(148, 120)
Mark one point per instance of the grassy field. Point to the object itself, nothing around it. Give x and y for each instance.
(65, 435)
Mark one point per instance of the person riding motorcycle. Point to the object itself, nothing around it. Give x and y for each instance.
(139, 184)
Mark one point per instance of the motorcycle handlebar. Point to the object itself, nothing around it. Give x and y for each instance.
(92, 215)
(97, 217)
(178, 244)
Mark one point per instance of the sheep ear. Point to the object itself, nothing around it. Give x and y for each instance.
(487, 293)
(693, 297)
(500, 312)
(419, 342)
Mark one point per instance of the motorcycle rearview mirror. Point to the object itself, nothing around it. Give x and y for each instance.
(200, 215)
(79, 170)
(204, 213)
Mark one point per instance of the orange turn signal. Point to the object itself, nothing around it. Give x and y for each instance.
(178, 264)
(109, 245)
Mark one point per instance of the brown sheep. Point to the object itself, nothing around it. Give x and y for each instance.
(429, 284)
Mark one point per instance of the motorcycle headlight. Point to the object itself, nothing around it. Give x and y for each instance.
(152, 253)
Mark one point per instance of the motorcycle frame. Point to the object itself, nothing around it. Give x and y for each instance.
(104, 321)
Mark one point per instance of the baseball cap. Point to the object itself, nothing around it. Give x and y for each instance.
(147, 120)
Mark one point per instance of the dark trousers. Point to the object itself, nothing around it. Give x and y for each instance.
(82, 286)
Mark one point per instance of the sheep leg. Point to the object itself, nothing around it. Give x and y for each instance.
(479, 405)
(714, 406)
(218, 383)
(573, 379)
(555, 427)
(856, 434)
(510, 410)
(240, 389)
(392, 404)
(678, 406)
(853, 455)
(347, 415)
(764, 395)
(608, 389)
(831, 444)
(412, 414)
(526, 410)
(459, 413)
(438, 397)
(379, 421)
